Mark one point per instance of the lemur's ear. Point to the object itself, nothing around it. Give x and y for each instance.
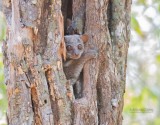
(84, 38)
(66, 38)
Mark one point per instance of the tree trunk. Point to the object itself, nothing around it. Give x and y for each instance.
(38, 92)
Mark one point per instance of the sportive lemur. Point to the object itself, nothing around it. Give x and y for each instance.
(75, 60)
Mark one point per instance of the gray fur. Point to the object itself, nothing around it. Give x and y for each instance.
(74, 63)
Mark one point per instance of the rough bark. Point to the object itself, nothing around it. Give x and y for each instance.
(38, 92)
(119, 25)
(109, 34)
(36, 84)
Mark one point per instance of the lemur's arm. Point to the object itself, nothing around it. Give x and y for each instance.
(74, 67)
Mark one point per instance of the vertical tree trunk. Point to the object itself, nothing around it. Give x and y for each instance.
(38, 92)
(36, 84)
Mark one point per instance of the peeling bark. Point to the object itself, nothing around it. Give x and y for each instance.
(38, 92)
(33, 84)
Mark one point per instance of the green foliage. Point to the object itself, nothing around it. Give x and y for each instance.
(157, 121)
(158, 59)
(143, 74)
(155, 31)
(141, 101)
(135, 25)
(3, 95)
(2, 27)
(143, 2)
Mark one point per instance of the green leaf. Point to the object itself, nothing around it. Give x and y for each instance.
(135, 25)
(143, 2)
(158, 59)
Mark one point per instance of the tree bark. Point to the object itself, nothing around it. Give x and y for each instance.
(38, 92)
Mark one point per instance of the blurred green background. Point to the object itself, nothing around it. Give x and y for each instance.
(3, 95)
(142, 97)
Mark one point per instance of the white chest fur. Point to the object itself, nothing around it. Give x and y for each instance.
(67, 63)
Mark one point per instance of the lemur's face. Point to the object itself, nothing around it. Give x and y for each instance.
(75, 45)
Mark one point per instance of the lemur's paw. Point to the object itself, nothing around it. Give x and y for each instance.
(93, 53)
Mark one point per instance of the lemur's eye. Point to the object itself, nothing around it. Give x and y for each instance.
(79, 46)
(69, 48)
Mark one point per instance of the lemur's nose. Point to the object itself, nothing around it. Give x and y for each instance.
(76, 53)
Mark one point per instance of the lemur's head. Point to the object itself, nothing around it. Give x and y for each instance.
(75, 45)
